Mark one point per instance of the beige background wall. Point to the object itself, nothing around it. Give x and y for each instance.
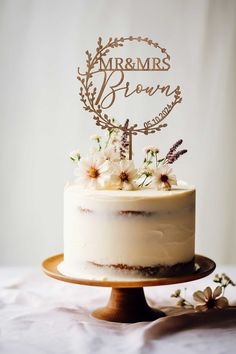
(42, 43)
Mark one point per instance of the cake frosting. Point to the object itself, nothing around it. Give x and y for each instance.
(147, 231)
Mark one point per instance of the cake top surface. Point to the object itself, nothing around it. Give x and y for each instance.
(180, 189)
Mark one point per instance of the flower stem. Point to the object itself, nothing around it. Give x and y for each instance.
(141, 184)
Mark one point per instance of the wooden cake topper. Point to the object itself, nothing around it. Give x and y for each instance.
(94, 99)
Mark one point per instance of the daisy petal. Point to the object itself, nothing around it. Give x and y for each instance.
(127, 186)
(201, 308)
(217, 292)
(208, 293)
(173, 180)
(84, 164)
(222, 302)
(104, 167)
(199, 296)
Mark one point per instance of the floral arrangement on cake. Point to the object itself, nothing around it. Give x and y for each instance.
(107, 166)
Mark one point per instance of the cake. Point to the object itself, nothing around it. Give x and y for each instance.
(143, 232)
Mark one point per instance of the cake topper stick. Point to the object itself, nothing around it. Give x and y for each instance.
(130, 145)
(94, 98)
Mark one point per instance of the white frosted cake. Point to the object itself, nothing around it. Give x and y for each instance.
(119, 219)
(145, 231)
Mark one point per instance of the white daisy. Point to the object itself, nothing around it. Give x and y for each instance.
(209, 300)
(93, 173)
(124, 175)
(163, 178)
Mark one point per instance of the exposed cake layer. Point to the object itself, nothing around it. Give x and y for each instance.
(121, 272)
(141, 228)
(157, 271)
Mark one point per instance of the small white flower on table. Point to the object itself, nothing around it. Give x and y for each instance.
(209, 300)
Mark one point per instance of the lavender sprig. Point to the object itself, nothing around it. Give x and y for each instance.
(124, 141)
(174, 148)
(173, 155)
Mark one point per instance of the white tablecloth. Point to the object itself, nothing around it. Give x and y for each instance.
(40, 315)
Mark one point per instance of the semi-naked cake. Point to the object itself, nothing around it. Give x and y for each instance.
(144, 232)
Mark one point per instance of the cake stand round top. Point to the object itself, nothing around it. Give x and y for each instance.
(203, 267)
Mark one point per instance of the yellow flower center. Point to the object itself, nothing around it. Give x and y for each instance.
(124, 177)
(93, 172)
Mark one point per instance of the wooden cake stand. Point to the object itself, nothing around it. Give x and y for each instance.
(127, 302)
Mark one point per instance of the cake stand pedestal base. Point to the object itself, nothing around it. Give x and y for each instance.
(127, 302)
(127, 305)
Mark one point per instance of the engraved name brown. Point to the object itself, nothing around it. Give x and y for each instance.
(96, 101)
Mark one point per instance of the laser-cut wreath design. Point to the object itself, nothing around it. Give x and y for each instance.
(88, 91)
